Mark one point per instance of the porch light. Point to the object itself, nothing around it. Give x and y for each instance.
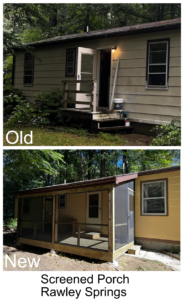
(113, 49)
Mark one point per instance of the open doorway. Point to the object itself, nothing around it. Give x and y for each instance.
(105, 69)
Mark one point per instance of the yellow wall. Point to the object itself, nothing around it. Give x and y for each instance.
(76, 209)
(160, 227)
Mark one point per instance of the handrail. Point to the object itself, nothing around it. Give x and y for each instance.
(91, 103)
(65, 223)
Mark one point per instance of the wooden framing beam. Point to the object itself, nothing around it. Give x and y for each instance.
(53, 217)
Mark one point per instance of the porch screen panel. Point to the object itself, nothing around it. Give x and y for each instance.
(36, 218)
(121, 216)
(122, 222)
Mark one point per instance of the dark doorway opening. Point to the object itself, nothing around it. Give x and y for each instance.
(105, 69)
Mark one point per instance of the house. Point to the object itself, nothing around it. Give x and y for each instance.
(103, 218)
(145, 57)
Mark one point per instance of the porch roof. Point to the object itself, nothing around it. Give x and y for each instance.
(117, 179)
(119, 31)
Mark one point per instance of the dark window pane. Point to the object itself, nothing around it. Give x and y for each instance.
(62, 203)
(157, 69)
(157, 79)
(28, 79)
(93, 199)
(93, 212)
(28, 57)
(158, 47)
(28, 65)
(154, 189)
(154, 206)
(70, 70)
(70, 58)
(26, 206)
(157, 57)
(28, 72)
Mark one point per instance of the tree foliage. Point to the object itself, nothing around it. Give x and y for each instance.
(27, 169)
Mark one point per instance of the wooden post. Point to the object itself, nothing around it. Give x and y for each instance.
(53, 219)
(94, 96)
(43, 218)
(78, 236)
(21, 215)
(56, 220)
(35, 229)
(111, 221)
(64, 94)
(18, 221)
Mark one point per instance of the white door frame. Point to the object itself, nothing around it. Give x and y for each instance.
(87, 51)
(94, 220)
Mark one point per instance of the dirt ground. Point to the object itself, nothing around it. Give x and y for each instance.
(68, 262)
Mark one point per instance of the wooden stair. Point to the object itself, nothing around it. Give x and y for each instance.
(134, 249)
(89, 235)
(111, 124)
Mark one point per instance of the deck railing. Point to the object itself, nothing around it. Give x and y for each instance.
(36, 230)
(91, 92)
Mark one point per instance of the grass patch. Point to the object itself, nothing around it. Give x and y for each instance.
(63, 136)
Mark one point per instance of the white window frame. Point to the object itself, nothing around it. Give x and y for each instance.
(159, 64)
(60, 207)
(165, 198)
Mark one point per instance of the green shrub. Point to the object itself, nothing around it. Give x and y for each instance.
(170, 134)
(26, 114)
(10, 97)
(10, 223)
(49, 102)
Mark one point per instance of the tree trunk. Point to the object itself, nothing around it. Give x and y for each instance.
(103, 161)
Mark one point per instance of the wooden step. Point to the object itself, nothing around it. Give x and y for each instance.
(134, 249)
(89, 235)
(117, 128)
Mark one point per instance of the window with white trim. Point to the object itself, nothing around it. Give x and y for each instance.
(158, 64)
(62, 201)
(154, 198)
(70, 62)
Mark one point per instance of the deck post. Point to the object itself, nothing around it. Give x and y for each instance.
(18, 220)
(56, 220)
(78, 236)
(21, 215)
(43, 217)
(53, 219)
(111, 221)
(94, 96)
(64, 94)
(35, 229)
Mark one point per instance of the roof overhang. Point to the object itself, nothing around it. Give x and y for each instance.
(120, 31)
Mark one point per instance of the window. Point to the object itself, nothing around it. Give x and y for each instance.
(93, 205)
(26, 207)
(157, 64)
(28, 69)
(62, 201)
(70, 63)
(154, 198)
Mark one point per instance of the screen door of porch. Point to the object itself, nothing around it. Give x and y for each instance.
(93, 210)
(86, 70)
(130, 215)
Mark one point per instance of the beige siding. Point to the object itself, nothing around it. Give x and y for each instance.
(141, 104)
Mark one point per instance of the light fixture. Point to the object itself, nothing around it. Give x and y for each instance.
(113, 49)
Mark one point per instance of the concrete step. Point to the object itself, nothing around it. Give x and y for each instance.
(134, 249)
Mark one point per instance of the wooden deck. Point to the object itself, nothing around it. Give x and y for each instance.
(100, 243)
